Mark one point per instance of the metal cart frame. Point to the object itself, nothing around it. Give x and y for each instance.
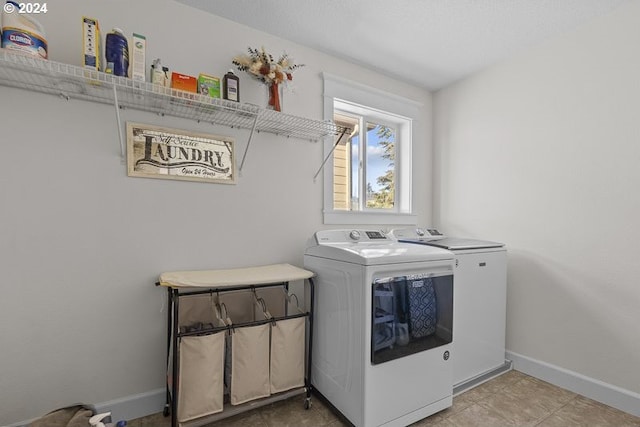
(175, 292)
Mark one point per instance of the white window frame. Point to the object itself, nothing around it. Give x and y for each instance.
(386, 107)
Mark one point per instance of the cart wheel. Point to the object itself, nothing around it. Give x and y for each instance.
(165, 411)
(307, 403)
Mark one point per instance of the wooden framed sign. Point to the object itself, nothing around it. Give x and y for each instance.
(156, 152)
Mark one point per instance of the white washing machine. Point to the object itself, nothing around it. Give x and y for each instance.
(382, 326)
(480, 301)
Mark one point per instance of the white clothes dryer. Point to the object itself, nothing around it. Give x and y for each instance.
(382, 326)
(480, 300)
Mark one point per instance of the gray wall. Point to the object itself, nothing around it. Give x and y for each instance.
(82, 244)
(542, 152)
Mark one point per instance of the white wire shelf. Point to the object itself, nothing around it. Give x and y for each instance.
(73, 82)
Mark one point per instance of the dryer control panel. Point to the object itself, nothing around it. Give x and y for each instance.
(351, 236)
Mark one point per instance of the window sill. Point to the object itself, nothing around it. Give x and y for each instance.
(369, 218)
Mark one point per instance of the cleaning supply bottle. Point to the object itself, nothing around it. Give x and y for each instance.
(117, 53)
(231, 87)
(159, 74)
(21, 32)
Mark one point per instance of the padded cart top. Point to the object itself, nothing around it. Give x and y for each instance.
(274, 273)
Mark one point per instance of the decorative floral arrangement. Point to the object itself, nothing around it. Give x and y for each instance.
(262, 66)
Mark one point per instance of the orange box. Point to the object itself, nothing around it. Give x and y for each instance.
(184, 82)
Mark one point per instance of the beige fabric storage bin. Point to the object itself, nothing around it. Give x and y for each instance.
(200, 380)
(196, 309)
(287, 354)
(249, 364)
(201, 359)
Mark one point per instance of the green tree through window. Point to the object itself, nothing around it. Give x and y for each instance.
(384, 197)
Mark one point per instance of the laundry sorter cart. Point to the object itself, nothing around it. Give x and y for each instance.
(236, 340)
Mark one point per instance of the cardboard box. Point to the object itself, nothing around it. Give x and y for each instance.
(138, 58)
(184, 82)
(209, 85)
(91, 43)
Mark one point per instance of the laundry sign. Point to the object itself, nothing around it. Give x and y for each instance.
(156, 152)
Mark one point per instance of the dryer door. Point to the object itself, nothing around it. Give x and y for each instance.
(410, 313)
(407, 372)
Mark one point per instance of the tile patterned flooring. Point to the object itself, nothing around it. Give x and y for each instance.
(512, 399)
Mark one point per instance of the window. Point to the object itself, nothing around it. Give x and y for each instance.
(368, 180)
(364, 167)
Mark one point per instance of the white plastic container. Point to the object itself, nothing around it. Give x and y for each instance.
(138, 56)
(22, 33)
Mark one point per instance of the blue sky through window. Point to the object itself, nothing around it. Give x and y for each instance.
(376, 164)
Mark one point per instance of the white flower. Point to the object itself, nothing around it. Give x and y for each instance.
(255, 67)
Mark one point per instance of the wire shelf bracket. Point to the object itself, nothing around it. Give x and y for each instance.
(73, 82)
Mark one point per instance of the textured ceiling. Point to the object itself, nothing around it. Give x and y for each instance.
(429, 43)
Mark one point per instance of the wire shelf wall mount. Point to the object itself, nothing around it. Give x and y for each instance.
(74, 82)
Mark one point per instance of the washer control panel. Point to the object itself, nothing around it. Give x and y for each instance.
(417, 233)
(429, 232)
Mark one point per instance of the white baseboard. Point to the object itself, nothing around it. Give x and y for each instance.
(126, 408)
(151, 402)
(134, 406)
(619, 398)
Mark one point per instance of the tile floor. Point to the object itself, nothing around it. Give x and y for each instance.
(512, 399)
